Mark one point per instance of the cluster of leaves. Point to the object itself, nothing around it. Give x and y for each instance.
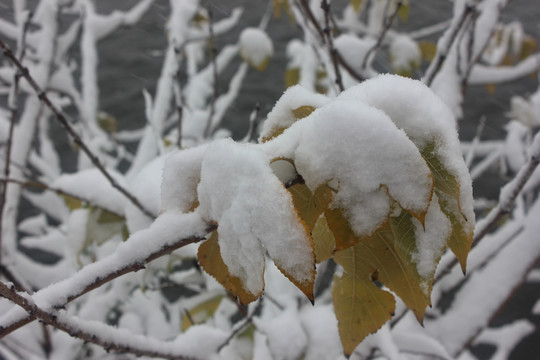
(386, 257)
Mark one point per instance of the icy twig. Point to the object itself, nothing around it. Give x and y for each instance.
(67, 126)
(388, 21)
(91, 332)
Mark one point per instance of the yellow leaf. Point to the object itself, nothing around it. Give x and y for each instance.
(403, 12)
(428, 50)
(361, 309)
(447, 189)
(292, 76)
(528, 47)
(323, 240)
(339, 225)
(210, 260)
(71, 202)
(310, 206)
(107, 122)
(357, 5)
(491, 88)
(302, 111)
(201, 312)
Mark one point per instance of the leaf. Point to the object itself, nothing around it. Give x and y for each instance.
(292, 76)
(323, 239)
(71, 202)
(360, 306)
(308, 205)
(339, 225)
(357, 5)
(528, 47)
(210, 260)
(428, 50)
(403, 11)
(107, 122)
(200, 313)
(302, 111)
(447, 189)
(491, 88)
(361, 309)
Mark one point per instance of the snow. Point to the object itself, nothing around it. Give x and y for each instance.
(282, 117)
(405, 53)
(430, 241)
(255, 47)
(286, 337)
(425, 119)
(354, 49)
(239, 191)
(91, 185)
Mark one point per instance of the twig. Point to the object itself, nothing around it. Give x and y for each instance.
(330, 43)
(213, 51)
(77, 329)
(248, 320)
(510, 192)
(479, 130)
(133, 266)
(443, 50)
(66, 125)
(311, 17)
(387, 25)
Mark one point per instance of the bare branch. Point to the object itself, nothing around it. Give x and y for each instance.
(67, 126)
(388, 21)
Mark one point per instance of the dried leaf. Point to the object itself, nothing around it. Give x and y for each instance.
(403, 11)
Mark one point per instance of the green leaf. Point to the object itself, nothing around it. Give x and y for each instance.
(71, 202)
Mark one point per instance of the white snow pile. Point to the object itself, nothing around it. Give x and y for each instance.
(256, 47)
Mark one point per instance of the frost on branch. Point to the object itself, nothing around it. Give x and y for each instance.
(376, 181)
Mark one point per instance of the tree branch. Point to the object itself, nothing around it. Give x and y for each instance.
(387, 25)
(99, 334)
(167, 229)
(66, 125)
